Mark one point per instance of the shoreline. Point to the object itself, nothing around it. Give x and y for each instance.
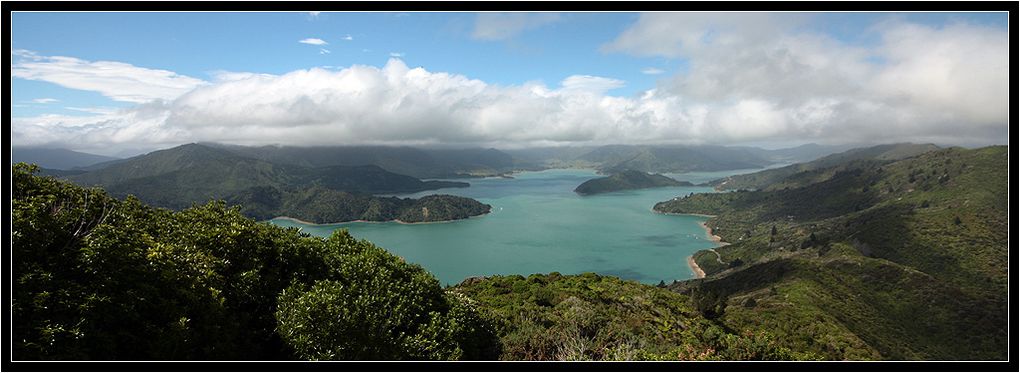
(711, 236)
(691, 263)
(288, 218)
(698, 272)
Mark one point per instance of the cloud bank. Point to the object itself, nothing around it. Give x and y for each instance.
(751, 79)
(761, 79)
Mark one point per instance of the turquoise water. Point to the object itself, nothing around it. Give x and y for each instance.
(539, 225)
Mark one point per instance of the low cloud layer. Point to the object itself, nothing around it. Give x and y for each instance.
(751, 79)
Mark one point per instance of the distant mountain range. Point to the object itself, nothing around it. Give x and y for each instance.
(178, 177)
(419, 163)
(55, 158)
(474, 162)
(667, 158)
(895, 252)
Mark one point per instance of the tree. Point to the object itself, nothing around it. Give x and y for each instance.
(99, 279)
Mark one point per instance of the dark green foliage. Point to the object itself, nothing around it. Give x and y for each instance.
(845, 264)
(375, 306)
(627, 180)
(321, 205)
(592, 317)
(439, 207)
(96, 278)
(750, 303)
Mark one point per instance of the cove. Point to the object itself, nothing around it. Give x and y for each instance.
(539, 225)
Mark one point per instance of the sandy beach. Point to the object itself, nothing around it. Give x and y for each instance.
(714, 238)
(698, 273)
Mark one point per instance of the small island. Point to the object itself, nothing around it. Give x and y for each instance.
(318, 205)
(627, 180)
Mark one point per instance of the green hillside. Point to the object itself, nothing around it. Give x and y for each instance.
(819, 169)
(627, 180)
(55, 158)
(884, 259)
(179, 177)
(593, 317)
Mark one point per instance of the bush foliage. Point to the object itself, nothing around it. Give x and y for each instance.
(97, 278)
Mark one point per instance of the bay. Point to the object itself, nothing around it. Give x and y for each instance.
(539, 225)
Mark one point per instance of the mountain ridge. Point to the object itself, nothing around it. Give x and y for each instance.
(178, 177)
(865, 247)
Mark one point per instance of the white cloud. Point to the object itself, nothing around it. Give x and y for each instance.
(652, 71)
(102, 133)
(678, 34)
(396, 54)
(591, 84)
(502, 26)
(44, 100)
(314, 14)
(116, 80)
(918, 83)
(93, 110)
(313, 41)
(323, 51)
(348, 37)
(226, 76)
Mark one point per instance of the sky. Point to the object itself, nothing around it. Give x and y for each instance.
(126, 83)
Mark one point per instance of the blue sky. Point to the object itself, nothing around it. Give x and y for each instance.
(545, 48)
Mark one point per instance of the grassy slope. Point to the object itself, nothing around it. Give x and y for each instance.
(886, 237)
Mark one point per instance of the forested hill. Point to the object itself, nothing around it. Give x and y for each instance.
(419, 163)
(801, 173)
(884, 259)
(627, 180)
(179, 177)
